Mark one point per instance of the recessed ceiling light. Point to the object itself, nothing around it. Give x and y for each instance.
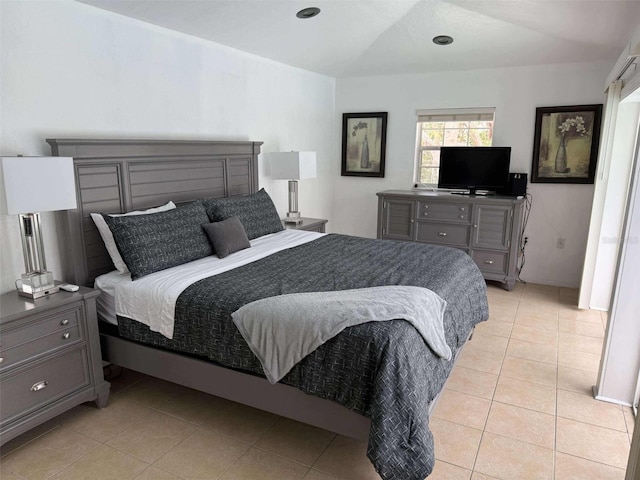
(443, 40)
(308, 12)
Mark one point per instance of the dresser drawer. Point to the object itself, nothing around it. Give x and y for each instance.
(443, 233)
(490, 262)
(38, 346)
(451, 212)
(26, 389)
(42, 327)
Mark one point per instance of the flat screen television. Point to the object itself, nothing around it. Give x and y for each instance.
(474, 168)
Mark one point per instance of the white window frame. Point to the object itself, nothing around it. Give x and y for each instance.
(446, 115)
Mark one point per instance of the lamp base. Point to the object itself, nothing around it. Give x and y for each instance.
(37, 285)
(293, 217)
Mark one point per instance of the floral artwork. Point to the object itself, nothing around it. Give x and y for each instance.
(363, 144)
(566, 144)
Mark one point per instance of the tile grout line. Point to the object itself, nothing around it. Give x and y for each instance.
(158, 468)
(322, 453)
(590, 460)
(80, 457)
(475, 460)
(10, 452)
(205, 428)
(493, 397)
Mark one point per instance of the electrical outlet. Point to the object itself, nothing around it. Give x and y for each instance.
(560, 243)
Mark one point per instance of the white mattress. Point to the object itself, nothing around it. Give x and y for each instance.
(106, 302)
(152, 299)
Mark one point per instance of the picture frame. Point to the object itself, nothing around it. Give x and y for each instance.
(364, 139)
(566, 142)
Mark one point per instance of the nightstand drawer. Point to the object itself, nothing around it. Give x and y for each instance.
(45, 381)
(42, 327)
(445, 234)
(39, 346)
(444, 211)
(492, 262)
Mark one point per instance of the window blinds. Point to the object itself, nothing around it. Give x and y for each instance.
(456, 115)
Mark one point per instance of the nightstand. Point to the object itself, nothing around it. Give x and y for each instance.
(49, 358)
(309, 224)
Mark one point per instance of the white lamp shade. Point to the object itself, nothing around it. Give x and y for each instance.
(38, 184)
(292, 165)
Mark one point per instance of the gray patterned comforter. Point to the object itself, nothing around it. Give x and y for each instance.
(383, 370)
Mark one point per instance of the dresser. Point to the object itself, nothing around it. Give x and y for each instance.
(49, 358)
(487, 228)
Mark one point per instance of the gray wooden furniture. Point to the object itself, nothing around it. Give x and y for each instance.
(308, 224)
(49, 358)
(114, 176)
(487, 228)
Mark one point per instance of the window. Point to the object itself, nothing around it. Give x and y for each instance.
(448, 128)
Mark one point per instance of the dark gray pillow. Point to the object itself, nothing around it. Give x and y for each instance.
(154, 242)
(257, 212)
(227, 236)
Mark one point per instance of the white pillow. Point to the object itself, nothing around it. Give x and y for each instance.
(107, 236)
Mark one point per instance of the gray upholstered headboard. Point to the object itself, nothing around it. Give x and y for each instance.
(117, 176)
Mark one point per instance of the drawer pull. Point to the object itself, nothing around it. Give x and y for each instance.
(475, 226)
(1, 359)
(66, 335)
(39, 386)
(462, 209)
(442, 234)
(412, 220)
(462, 216)
(426, 206)
(488, 262)
(64, 322)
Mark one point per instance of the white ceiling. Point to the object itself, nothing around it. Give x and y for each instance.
(378, 37)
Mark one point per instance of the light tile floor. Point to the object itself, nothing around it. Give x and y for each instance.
(518, 406)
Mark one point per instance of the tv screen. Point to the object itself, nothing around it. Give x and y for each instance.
(474, 168)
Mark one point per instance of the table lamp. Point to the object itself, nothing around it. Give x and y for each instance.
(33, 185)
(292, 166)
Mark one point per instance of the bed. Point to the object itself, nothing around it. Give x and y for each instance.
(374, 380)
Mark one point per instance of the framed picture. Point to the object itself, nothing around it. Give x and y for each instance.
(364, 138)
(566, 141)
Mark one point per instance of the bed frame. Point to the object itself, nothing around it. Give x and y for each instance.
(117, 176)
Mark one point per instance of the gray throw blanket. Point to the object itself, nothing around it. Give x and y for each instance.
(284, 329)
